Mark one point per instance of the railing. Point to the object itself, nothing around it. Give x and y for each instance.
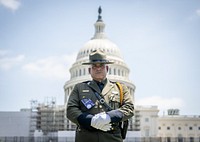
(71, 139)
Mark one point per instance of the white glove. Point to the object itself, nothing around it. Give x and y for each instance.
(106, 127)
(99, 120)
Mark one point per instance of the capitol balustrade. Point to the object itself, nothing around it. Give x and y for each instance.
(72, 139)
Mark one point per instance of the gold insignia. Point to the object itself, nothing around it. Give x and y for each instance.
(115, 92)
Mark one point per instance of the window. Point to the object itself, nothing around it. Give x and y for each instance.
(114, 71)
(109, 71)
(80, 72)
(159, 128)
(84, 71)
(180, 139)
(15, 139)
(118, 72)
(168, 128)
(190, 128)
(179, 128)
(168, 139)
(191, 139)
(146, 120)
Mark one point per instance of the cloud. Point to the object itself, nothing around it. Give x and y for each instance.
(7, 61)
(11, 4)
(55, 67)
(198, 12)
(3, 52)
(162, 103)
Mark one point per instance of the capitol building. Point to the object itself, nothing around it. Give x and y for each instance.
(47, 121)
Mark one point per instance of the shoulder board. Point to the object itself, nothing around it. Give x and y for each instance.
(115, 82)
(112, 82)
(120, 83)
(88, 81)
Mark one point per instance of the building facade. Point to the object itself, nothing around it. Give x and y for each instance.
(15, 126)
(148, 120)
(182, 127)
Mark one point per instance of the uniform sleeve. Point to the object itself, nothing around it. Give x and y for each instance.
(126, 111)
(73, 110)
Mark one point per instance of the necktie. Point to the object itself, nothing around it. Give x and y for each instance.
(101, 85)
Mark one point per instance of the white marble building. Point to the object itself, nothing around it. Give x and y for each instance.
(179, 126)
(15, 126)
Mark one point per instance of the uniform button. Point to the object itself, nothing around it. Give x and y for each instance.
(100, 106)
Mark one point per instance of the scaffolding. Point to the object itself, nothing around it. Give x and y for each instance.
(50, 118)
(33, 119)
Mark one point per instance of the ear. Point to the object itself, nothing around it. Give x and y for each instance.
(107, 68)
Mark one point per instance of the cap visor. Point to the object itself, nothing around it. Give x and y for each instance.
(89, 63)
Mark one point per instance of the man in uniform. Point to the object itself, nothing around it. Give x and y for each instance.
(94, 106)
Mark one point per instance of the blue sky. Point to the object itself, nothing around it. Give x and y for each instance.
(159, 41)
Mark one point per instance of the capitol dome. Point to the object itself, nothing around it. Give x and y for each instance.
(109, 47)
(118, 71)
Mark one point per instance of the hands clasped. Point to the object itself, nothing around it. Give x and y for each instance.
(101, 121)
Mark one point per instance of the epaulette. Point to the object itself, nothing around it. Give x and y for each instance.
(114, 82)
(87, 82)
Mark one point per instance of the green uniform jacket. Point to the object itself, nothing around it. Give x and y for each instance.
(79, 114)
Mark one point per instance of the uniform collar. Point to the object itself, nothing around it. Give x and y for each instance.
(93, 84)
(103, 81)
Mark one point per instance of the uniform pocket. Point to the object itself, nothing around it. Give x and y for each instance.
(114, 100)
